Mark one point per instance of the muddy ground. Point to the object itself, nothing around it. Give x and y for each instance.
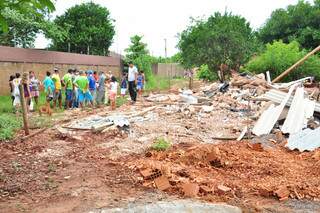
(52, 172)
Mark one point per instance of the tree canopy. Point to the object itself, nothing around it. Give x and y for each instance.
(297, 22)
(136, 49)
(25, 7)
(88, 28)
(221, 39)
(23, 28)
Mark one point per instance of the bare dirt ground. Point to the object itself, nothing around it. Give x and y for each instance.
(50, 172)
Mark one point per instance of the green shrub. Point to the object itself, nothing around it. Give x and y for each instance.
(144, 62)
(9, 124)
(205, 74)
(279, 56)
(161, 145)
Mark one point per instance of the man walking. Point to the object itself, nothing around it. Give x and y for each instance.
(132, 79)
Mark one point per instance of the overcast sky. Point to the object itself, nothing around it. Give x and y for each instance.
(160, 19)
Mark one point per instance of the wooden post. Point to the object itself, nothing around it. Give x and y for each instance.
(290, 69)
(24, 110)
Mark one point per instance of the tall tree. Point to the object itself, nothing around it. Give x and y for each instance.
(136, 49)
(89, 29)
(23, 7)
(221, 39)
(297, 22)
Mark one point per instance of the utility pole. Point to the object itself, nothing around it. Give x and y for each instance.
(24, 110)
(165, 48)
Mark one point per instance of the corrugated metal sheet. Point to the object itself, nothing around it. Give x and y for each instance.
(300, 111)
(269, 117)
(277, 97)
(11, 54)
(305, 140)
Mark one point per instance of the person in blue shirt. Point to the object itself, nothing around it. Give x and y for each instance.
(92, 84)
(48, 88)
(123, 85)
(140, 82)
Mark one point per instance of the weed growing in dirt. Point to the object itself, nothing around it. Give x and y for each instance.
(161, 144)
(40, 122)
(52, 167)
(9, 124)
(50, 184)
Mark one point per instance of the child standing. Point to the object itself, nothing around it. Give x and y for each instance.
(113, 92)
(140, 82)
(123, 85)
(49, 90)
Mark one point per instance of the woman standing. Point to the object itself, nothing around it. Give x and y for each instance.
(11, 87)
(34, 87)
(16, 93)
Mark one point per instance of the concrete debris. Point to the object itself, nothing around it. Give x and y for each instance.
(190, 99)
(190, 206)
(305, 140)
(207, 109)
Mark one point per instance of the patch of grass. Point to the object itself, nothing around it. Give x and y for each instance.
(37, 122)
(120, 101)
(158, 83)
(6, 104)
(161, 144)
(9, 124)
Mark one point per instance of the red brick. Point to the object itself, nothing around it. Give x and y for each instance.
(190, 189)
(162, 183)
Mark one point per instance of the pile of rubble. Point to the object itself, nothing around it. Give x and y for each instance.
(233, 170)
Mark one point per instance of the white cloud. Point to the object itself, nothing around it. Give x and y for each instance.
(160, 19)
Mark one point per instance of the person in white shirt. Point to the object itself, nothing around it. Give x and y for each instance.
(113, 92)
(132, 80)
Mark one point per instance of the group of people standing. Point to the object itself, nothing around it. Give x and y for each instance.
(81, 88)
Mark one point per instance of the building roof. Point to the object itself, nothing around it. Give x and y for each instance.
(12, 54)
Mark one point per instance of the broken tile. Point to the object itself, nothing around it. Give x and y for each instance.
(221, 189)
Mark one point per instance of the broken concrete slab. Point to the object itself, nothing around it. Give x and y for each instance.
(174, 206)
(305, 140)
